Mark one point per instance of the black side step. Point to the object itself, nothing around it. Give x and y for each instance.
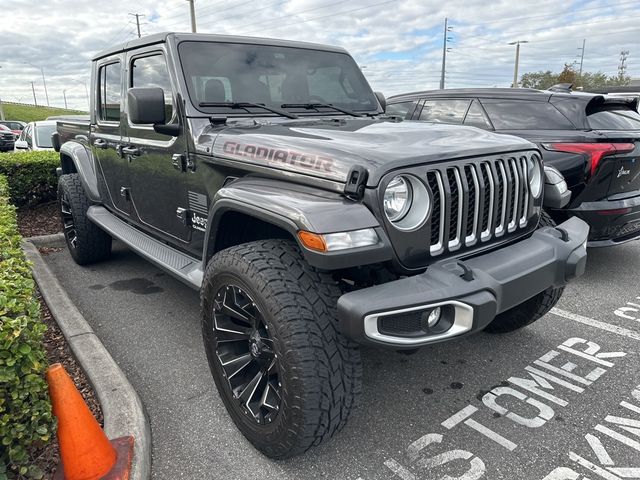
(183, 267)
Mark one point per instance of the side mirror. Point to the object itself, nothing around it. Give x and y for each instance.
(382, 100)
(21, 145)
(146, 106)
(55, 141)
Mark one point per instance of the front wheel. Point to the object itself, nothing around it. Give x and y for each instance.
(287, 377)
(527, 312)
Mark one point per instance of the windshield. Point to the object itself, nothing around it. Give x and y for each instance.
(43, 135)
(273, 76)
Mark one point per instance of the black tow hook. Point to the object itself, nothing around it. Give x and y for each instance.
(564, 235)
(467, 273)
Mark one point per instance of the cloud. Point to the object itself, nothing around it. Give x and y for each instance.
(397, 42)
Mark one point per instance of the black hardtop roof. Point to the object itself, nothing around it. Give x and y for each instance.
(524, 93)
(207, 37)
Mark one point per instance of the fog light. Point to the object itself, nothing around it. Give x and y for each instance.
(434, 317)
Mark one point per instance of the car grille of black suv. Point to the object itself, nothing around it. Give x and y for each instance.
(475, 205)
(477, 202)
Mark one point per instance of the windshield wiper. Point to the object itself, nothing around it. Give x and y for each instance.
(315, 106)
(246, 105)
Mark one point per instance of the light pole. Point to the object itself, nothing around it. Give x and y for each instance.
(192, 11)
(33, 89)
(581, 56)
(44, 82)
(444, 52)
(515, 70)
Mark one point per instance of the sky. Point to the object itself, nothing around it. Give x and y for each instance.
(397, 43)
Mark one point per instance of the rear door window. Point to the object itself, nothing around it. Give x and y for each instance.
(525, 115)
(43, 135)
(446, 110)
(615, 119)
(476, 117)
(110, 92)
(402, 109)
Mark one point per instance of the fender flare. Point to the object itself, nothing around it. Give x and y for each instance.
(77, 158)
(293, 208)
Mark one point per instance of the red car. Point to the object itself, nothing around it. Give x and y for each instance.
(15, 126)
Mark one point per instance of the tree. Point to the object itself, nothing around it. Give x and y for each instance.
(588, 80)
(568, 75)
(540, 80)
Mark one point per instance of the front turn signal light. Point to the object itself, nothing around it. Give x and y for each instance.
(331, 242)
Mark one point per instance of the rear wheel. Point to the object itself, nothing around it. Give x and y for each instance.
(86, 242)
(527, 312)
(287, 377)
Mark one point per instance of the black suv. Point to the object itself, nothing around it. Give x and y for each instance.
(593, 140)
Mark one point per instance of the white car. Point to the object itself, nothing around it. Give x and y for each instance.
(36, 136)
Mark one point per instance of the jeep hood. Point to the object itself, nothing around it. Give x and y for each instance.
(329, 148)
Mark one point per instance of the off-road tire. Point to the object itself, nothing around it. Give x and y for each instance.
(91, 243)
(320, 370)
(528, 312)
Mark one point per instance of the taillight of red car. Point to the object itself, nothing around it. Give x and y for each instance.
(595, 151)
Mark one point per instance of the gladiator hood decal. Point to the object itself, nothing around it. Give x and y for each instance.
(329, 149)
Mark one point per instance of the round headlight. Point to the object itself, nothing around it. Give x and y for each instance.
(397, 199)
(406, 202)
(534, 172)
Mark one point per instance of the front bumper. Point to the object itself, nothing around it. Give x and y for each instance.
(6, 144)
(474, 290)
(612, 222)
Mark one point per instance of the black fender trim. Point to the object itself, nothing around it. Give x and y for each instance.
(84, 164)
(294, 208)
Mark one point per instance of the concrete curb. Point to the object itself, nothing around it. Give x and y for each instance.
(54, 240)
(123, 411)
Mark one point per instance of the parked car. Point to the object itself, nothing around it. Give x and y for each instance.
(36, 136)
(592, 140)
(15, 126)
(7, 139)
(264, 174)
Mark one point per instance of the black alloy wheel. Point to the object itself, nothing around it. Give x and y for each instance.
(246, 354)
(68, 223)
(87, 243)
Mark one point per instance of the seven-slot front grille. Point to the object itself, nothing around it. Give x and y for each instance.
(477, 202)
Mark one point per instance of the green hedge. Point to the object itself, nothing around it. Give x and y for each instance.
(26, 421)
(32, 176)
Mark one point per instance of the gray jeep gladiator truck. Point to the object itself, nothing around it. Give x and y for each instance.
(265, 174)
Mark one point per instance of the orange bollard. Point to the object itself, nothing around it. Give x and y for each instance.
(85, 451)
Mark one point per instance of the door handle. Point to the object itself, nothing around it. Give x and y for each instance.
(100, 143)
(133, 151)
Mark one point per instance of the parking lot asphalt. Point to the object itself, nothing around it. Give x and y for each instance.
(557, 400)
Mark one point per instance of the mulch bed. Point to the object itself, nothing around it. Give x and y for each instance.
(58, 351)
(41, 219)
(45, 220)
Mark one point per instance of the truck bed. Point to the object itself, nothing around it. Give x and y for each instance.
(73, 130)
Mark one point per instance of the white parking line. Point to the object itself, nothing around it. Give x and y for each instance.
(625, 332)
